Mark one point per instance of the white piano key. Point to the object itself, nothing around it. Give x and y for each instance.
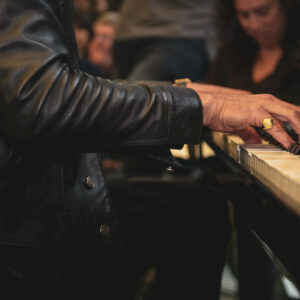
(277, 169)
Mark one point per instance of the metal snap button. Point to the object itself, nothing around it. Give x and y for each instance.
(104, 230)
(170, 169)
(89, 182)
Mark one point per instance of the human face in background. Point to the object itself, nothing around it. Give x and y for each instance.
(104, 37)
(263, 20)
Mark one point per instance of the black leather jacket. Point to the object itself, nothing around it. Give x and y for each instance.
(54, 121)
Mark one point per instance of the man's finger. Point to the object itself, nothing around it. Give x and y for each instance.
(289, 113)
(280, 134)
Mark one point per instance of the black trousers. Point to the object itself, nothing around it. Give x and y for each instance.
(177, 229)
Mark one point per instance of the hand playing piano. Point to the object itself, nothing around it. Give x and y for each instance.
(238, 113)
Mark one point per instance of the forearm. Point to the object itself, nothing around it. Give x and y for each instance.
(46, 100)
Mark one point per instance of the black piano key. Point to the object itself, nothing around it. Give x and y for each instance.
(277, 144)
(292, 148)
(289, 129)
(297, 150)
(260, 132)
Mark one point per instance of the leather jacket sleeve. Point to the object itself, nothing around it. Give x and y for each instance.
(46, 100)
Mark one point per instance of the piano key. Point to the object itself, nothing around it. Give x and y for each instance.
(294, 148)
(277, 169)
(291, 147)
(297, 151)
(289, 129)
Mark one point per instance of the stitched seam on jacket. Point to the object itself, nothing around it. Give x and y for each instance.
(168, 99)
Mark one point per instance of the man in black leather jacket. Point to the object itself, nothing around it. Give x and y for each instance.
(54, 121)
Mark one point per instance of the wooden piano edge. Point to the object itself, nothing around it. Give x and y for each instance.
(250, 180)
(264, 195)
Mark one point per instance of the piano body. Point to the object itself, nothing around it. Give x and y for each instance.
(265, 193)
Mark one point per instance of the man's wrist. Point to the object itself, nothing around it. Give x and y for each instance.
(207, 101)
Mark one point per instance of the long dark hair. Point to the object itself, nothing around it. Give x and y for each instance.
(230, 32)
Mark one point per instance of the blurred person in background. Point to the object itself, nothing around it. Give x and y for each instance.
(94, 8)
(115, 4)
(83, 34)
(86, 8)
(259, 47)
(100, 49)
(101, 6)
(83, 4)
(164, 39)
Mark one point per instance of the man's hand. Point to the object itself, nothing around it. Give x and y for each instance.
(238, 113)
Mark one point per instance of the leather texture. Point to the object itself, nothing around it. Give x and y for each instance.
(54, 120)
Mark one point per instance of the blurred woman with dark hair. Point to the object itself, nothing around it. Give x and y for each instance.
(260, 50)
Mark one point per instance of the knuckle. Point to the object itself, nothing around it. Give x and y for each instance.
(295, 114)
(270, 98)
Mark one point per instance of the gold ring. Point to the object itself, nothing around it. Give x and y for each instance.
(182, 82)
(267, 123)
